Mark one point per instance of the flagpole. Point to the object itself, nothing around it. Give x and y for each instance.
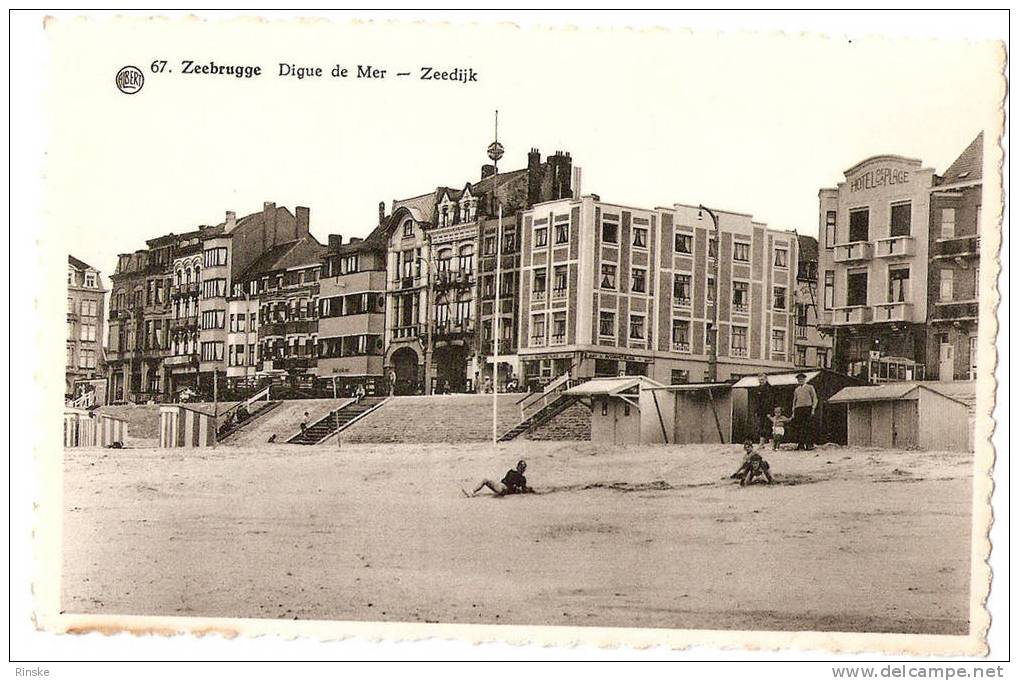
(495, 152)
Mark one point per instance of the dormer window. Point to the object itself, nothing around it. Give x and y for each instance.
(468, 210)
(444, 216)
(408, 228)
(90, 280)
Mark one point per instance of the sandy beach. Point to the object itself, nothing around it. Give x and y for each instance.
(846, 540)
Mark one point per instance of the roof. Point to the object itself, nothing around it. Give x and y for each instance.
(612, 386)
(692, 387)
(970, 164)
(885, 392)
(776, 379)
(79, 264)
(304, 251)
(807, 246)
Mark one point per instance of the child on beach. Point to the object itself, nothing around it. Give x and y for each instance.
(753, 466)
(513, 482)
(778, 421)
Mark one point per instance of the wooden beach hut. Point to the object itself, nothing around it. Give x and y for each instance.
(182, 426)
(623, 409)
(905, 416)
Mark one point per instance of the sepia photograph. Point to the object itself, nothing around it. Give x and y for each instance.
(611, 335)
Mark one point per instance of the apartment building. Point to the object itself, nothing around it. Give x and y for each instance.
(954, 281)
(813, 349)
(181, 366)
(434, 295)
(86, 315)
(608, 289)
(352, 314)
(874, 262)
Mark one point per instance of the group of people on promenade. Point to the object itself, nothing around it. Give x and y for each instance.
(771, 422)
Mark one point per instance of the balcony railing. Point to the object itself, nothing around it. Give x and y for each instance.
(852, 314)
(801, 332)
(738, 352)
(893, 312)
(538, 295)
(190, 361)
(409, 331)
(537, 341)
(452, 330)
(894, 246)
(559, 339)
(681, 346)
(855, 250)
(681, 302)
(958, 247)
(558, 293)
(955, 311)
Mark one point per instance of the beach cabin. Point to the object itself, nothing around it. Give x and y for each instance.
(623, 409)
(79, 428)
(753, 396)
(110, 430)
(905, 416)
(689, 413)
(181, 426)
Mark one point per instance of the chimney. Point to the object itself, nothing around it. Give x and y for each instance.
(231, 221)
(533, 177)
(576, 182)
(355, 240)
(560, 165)
(303, 220)
(382, 212)
(335, 241)
(487, 170)
(268, 225)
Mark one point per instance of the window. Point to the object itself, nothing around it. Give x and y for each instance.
(639, 283)
(606, 323)
(640, 237)
(781, 257)
(712, 248)
(70, 356)
(88, 332)
(637, 327)
(898, 285)
(801, 355)
(407, 264)
(681, 335)
(801, 314)
(738, 341)
(948, 223)
(559, 328)
(608, 277)
(859, 224)
(538, 329)
(467, 212)
(741, 251)
(681, 286)
(945, 291)
(740, 296)
(509, 242)
(829, 229)
(213, 319)
(349, 264)
(540, 236)
(900, 219)
(610, 232)
(490, 245)
(463, 311)
(711, 290)
(680, 376)
(822, 358)
(71, 278)
(90, 280)
(214, 288)
(562, 232)
(212, 351)
(683, 243)
(215, 257)
(408, 228)
(87, 359)
(778, 341)
(444, 215)
(856, 288)
(829, 289)
(560, 281)
(778, 298)
(540, 280)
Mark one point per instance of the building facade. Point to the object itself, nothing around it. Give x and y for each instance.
(434, 295)
(352, 314)
(608, 289)
(954, 281)
(813, 349)
(86, 318)
(874, 262)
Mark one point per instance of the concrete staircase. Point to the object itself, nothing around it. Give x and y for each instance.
(336, 421)
(558, 405)
(434, 418)
(257, 411)
(283, 422)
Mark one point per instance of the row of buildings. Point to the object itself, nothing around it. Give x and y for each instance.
(676, 293)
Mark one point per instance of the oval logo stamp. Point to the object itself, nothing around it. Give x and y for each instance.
(130, 80)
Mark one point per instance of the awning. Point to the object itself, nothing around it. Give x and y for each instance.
(775, 379)
(612, 386)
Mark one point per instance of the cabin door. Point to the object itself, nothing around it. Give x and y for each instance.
(904, 424)
(946, 363)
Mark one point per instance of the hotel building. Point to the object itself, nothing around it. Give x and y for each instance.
(874, 262)
(608, 289)
(86, 303)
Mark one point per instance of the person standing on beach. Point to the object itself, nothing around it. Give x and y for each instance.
(804, 407)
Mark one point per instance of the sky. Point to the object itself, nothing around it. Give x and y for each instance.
(753, 123)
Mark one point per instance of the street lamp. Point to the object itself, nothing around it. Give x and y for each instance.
(713, 333)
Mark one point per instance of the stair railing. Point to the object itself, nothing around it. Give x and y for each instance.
(538, 401)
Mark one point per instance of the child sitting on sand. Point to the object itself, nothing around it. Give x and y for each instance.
(778, 421)
(513, 482)
(753, 466)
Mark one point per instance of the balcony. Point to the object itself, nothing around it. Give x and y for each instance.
(853, 251)
(452, 330)
(681, 302)
(558, 339)
(738, 352)
(538, 295)
(185, 323)
(184, 290)
(801, 332)
(956, 311)
(893, 312)
(957, 247)
(182, 361)
(292, 363)
(453, 279)
(403, 283)
(681, 346)
(406, 332)
(559, 294)
(851, 314)
(895, 247)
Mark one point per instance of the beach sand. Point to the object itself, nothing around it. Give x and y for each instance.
(649, 536)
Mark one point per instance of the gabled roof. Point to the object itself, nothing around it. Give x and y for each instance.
(885, 392)
(775, 379)
(79, 264)
(970, 164)
(612, 386)
(304, 251)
